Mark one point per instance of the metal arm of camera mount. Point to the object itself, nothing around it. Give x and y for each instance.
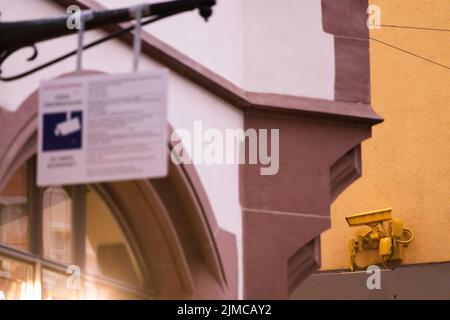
(20, 34)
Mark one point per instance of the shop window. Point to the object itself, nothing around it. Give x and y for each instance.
(16, 279)
(72, 228)
(14, 211)
(57, 225)
(107, 251)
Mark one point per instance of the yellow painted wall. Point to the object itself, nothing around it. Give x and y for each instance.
(406, 164)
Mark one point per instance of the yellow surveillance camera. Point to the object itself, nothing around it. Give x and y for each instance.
(387, 235)
(369, 217)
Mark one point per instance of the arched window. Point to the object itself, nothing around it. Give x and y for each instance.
(64, 243)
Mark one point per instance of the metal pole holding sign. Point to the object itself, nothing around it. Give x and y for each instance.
(137, 43)
(84, 16)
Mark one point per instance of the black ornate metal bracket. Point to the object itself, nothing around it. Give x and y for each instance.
(17, 35)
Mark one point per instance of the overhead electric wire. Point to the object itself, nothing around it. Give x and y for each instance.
(410, 53)
(414, 28)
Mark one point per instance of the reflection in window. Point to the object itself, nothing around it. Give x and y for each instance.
(57, 225)
(111, 269)
(107, 251)
(96, 291)
(55, 286)
(16, 280)
(14, 211)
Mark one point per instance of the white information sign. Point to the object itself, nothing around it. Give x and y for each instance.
(100, 128)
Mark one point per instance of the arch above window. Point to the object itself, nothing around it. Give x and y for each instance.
(182, 251)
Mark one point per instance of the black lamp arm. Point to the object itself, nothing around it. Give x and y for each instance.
(20, 34)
